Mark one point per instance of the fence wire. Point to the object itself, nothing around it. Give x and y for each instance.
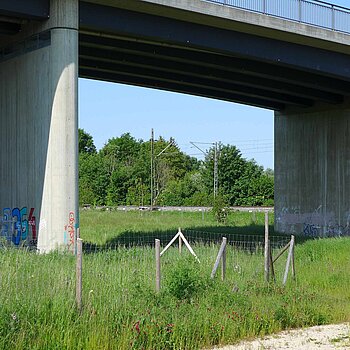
(125, 271)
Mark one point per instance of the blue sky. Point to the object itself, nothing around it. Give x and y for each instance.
(108, 110)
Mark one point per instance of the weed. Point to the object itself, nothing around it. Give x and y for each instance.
(184, 280)
(121, 309)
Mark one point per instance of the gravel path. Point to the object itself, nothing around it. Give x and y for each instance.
(315, 338)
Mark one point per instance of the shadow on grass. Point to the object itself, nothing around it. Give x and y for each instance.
(250, 237)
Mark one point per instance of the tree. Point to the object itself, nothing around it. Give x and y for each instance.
(86, 142)
(269, 172)
(121, 156)
(93, 179)
(189, 191)
(242, 182)
(121, 174)
(171, 165)
(121, 151)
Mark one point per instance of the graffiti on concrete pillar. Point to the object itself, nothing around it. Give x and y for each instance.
(17, 228)
(312, 224)
(69, 231)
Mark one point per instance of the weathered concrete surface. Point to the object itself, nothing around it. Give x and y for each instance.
(312, 172)
(38, 133)
(226, 17)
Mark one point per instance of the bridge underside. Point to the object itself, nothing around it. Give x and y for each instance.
(306, 85)
(120, 45)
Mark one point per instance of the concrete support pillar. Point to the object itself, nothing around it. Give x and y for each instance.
(38, 133)
(312, 172)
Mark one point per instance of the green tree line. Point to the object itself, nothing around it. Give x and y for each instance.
(120, 174)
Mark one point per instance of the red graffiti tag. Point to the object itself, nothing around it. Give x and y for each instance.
(71, 229)
(32, 223)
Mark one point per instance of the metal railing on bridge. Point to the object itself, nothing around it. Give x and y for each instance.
(313, 12)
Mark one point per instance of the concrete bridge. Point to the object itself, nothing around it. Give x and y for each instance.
(289, 56)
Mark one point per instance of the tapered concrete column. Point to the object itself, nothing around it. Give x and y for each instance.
(312, 172)
(38, 133)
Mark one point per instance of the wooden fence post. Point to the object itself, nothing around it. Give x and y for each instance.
(158, 276)
(266, 251)
(289, 259)
(223, 260)
(79, 268)
(218, 258)
(272, 269)
(293, 262)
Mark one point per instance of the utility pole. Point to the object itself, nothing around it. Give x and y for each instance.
(215, 170)
(152, 166)
(154, 182)
(216, 180)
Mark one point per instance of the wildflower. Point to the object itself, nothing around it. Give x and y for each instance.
(14, 316)
(169, 327)
(136, 327)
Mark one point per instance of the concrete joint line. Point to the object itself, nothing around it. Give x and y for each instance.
(65, 28)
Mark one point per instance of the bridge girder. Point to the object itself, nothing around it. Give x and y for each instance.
(144, 49)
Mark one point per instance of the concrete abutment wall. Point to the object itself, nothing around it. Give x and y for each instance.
(312, 172)
(38, 132)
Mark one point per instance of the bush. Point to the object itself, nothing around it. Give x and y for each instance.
(220, 209)
(185, 279)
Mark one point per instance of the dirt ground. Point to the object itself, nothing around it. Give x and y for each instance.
(327, 337)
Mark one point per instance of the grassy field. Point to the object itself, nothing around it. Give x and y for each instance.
(103, 227)
(122, 311)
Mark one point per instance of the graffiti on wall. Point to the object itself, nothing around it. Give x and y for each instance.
(312, 224)
(18, 226)
(70, 232)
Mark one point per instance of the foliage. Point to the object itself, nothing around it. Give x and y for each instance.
(220, 209)
(122, 311)
(187, 191)
(242, 182)
(120, 174)
(185, 280)
(93, 179)
(86, 142)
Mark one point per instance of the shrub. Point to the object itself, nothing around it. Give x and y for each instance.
(220, 209)
(185, 280)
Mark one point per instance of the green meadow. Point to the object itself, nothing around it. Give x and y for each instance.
(121, 309)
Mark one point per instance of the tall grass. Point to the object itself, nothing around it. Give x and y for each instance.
(121, 309)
